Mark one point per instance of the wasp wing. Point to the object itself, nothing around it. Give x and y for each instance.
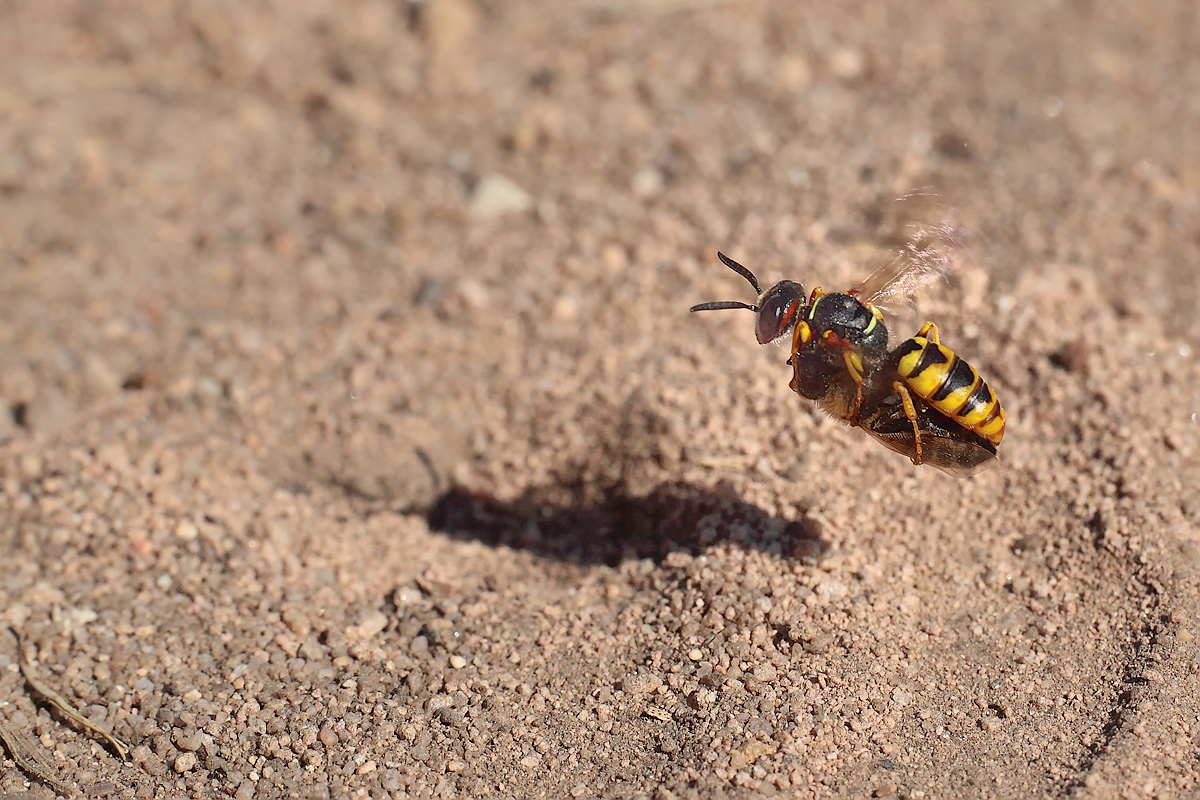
(944, 444)
(929, 253)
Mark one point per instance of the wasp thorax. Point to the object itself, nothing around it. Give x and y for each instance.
(777, 311)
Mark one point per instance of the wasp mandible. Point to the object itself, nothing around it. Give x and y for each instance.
(919, 399)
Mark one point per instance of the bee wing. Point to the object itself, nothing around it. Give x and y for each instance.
(944, 445)
(930, 252)
(956, 457)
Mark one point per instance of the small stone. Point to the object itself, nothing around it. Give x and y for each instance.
(457, 662)
(847, 64)
(366, 768)
(297, 621)
(475, 295)
(185, 762)
(449, 24)
(372, 624)
(99, 375)
(245, 790)
(793, 73)
(495, 196)
(189, 740)
(646, 182)
(885, 790)
(832, 590)
(454, 717)
(186, 530)
(640, 683)
(154, 765)
(30, 465)
(765, 672)
(328, 736)
(695, 654)
(565, 308)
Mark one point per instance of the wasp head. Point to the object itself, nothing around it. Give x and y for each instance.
(776, 310)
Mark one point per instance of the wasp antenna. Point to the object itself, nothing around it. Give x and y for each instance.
(718, 305)
(740, 270)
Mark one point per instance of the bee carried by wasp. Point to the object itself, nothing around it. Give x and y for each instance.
(919, 398)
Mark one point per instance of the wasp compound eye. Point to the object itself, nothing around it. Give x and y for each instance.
(777, 311)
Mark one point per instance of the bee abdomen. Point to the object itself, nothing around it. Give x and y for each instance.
(952, 386)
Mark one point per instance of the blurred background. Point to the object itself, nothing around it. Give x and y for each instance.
(350, 217)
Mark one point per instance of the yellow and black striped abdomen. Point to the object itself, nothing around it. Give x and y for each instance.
(952, 386)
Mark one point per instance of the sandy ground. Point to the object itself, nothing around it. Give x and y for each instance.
(355, 439)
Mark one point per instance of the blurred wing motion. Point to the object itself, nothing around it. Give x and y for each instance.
(930, 253)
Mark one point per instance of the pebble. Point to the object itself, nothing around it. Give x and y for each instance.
(328, 736)
(185, 762)
(496, 196)
(189, 741)
(449, 24)
(457, 662)
(640, 683)
(297, 621)
(186, 530)
(245, 790)
(847, 63)
(372, 624)
(646, 182)
(454, 717)
(765, 672)
(832, 590)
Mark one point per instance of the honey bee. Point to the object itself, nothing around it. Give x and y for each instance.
(918, 399)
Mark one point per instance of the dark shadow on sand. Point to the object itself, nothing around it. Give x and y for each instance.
(620, 526)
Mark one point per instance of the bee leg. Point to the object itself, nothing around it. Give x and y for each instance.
(929, 331)
(817, 292)
(910, 411)
(854, 366)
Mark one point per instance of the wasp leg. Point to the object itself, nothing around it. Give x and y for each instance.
(929, 331)
(817, 292)
(854, 366)
(910, 411)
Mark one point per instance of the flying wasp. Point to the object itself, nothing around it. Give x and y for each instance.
(919, 399)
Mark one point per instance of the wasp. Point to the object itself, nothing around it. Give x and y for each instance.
(919, 399)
